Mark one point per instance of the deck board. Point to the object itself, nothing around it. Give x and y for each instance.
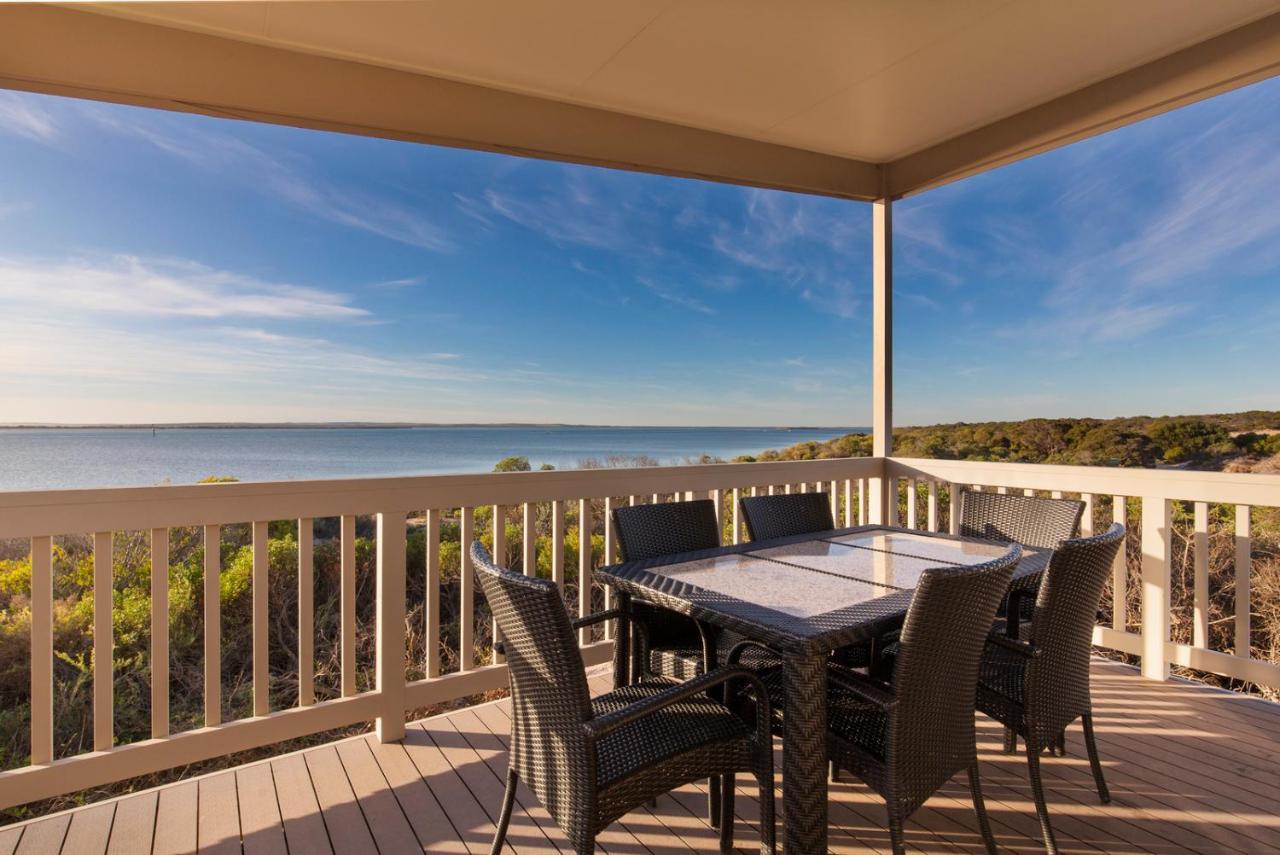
(1191, 769)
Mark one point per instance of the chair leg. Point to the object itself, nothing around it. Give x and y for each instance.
(713, 801)
(980, 808)
(504, 819)
(726, 814)
(835, 773)
(896, 838)
(1010, 740)
(1094, 762)
(1037, 791)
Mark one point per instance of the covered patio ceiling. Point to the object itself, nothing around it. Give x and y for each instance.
(859, 99)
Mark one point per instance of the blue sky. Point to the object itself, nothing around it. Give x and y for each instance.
(162, 267)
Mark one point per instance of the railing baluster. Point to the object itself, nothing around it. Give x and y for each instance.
(500, 556)
(584, 567)
(41, 650)
(955, 503)
(261, 664)
(529, 538)
(932, 510)
(717, 499)
(212, 626)
(849, 513)
(103, 646)
(1200, 607)
(432, 616)
(737, 516)
(892, 494)
(1119, 572)
(834, 488)
(557, 544)
(1155, 586)
(1086, 519)
(348, 606)
(466, 590)
(862, 501)
(159, 633)
(608, 559)
(911, 503)
(389, 636)
(306, 613)
(1244, 567)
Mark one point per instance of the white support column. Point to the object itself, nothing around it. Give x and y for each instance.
(881, 350)
(1156, 525)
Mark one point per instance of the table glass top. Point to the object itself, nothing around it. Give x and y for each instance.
(781, 587)
(868, 565)
(935, 549)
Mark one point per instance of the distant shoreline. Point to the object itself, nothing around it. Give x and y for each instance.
(403, 426)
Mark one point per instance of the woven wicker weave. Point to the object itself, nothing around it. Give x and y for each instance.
(1039, 687)
(769, 517)
(908, 739)
(666, 644)
(591, 761)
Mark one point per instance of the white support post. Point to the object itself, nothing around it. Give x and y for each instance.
(1200, 568)
(41, 650)
(103, 648)
(1156, 546)
(159, 633)
(432, 616)
(306, 613)
(390, 664)
(347, 596)
(261, 621)
(1244, 568)
(881, 353)
(584, 567)
(212, 626)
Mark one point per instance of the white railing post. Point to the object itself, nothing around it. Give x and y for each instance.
(103, 648)
(347, 595)
(212, 626)
(41, 650)
(432, 617)
(1200, 599)
(160, 633)
(306, 613)
(261, 621)
(390, 632)
(1156, 525)
(1244, 568)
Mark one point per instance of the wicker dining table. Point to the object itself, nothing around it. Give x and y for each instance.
(804, 596)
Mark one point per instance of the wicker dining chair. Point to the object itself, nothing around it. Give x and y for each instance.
(667, 644)
(1037, 688)
(908, 738)
(783, 515)
(1028, 520)
(590, 760)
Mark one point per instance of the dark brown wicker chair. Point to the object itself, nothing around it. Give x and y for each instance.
(665, 643)
(785, 515)
(1039, 687)
(1029, 520)
(907, 739)
(591, 760)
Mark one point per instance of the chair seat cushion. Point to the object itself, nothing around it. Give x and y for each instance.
(691, 724)
(1003, 672)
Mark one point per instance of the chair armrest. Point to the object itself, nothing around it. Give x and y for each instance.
(1023, 648)
(856, 684)
(735, 652)
(578, 623)
(605, 724)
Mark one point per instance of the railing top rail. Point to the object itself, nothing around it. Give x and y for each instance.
(40, 512)
(1245, 488)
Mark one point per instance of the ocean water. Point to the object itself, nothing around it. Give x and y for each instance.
(55, 458)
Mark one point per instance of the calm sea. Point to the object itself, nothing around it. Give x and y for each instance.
(53, 458)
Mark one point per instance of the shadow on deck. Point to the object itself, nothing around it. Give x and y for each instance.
(1191, 769)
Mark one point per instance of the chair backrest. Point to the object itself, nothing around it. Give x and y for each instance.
(1028, 520)
(1057, 685)
(549, 695)
(784, 515)
(930, 731)
(651, 531)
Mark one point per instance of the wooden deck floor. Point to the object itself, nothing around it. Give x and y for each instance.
(1191, 769)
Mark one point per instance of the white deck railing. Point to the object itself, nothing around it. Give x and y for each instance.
(851, 484)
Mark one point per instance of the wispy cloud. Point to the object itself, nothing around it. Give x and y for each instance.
(161, 287)
(286, 179)
(22, 116)
(406, 282)
(675, 297)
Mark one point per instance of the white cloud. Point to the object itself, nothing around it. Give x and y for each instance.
(675, 297)
(22, 116)
(160, 287)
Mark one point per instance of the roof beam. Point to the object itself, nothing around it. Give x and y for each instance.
(1234, 59)
(65, 51)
